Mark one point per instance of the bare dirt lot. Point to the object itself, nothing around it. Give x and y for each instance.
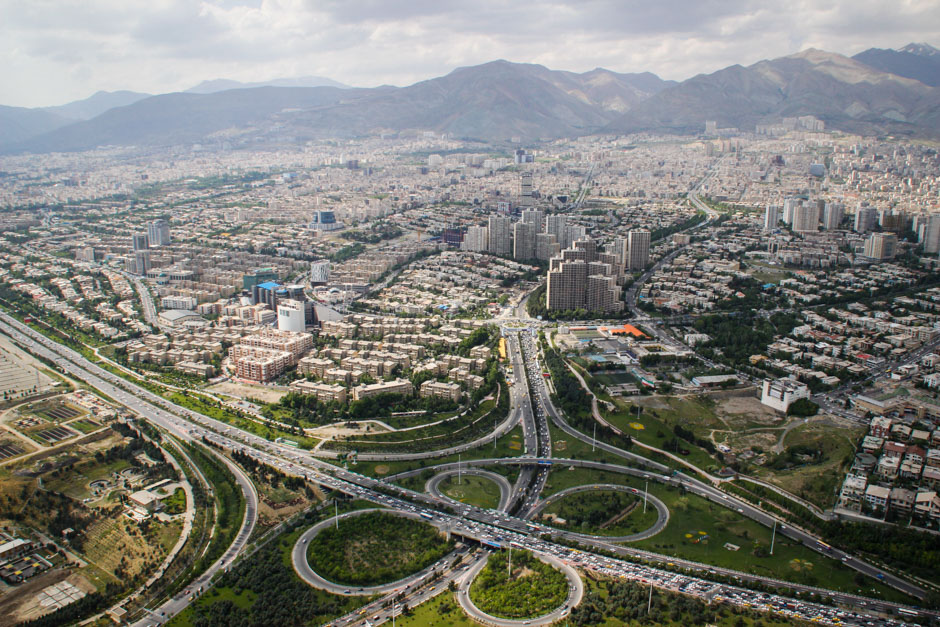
(245, 391)
(747, 412)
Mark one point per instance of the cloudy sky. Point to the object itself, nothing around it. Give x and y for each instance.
(55, 51)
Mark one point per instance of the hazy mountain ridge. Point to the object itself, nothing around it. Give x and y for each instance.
(18, 124)
(846, 94)
(920, 62)
(96, 104)
(225, 84)
(499, 100)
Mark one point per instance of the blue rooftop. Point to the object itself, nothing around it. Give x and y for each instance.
(270, 285)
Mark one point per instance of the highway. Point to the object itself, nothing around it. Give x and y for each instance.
(493, 526)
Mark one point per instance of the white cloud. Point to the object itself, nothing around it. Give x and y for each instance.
(53, 52)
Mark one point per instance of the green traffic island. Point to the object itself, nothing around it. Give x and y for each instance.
(603, 512)
(471, 490)
(533, 588)
(375, 548)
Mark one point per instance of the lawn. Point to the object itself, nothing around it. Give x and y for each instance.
(817, 480)
(471, 489)
(698, 530)
(602, 513)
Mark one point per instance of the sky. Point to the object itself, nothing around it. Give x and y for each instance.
(57, 51)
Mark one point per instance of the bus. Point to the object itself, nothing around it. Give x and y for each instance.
(426, 516)
(822, 546)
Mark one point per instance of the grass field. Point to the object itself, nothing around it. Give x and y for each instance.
(471, 489)
(602, 513)
(698, 530)
(818, 481)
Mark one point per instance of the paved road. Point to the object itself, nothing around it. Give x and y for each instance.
(662, 511)
(575, 594)
(492, 526)
(305, 572)
(505, 489)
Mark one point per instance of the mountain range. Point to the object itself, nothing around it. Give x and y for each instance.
(876, 91)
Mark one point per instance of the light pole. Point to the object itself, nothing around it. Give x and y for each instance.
(649, 606)
(773, 537)
(459, 475)
(594, 438)
(646, 493)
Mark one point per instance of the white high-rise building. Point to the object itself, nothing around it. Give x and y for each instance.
(557, 225)
(789, 208)
(499, 229)
(638, 243)
(865, 218)
(932, 234)
(476, 239)
(158, 232)
(523, 241)
(832, 215)
(535, 217)
(806, 218)
(881, 246)
(771, 217)
(141, 241)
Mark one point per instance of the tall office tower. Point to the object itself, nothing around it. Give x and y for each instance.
(806, 218)
(557, 225)
(499, 228)
(574, 232)
(523, 241)
(789, 208)
(638, 243)
(771, 217)
(577, 279)
(476, 240)
(892, 220)
(535, 217)
(320, 272)
(881, 246)
(158, 232)
(546, 246)
(832, 215)
(932, 234)
(526, 194)
(865, 219)
(142, 261)
(141, 241)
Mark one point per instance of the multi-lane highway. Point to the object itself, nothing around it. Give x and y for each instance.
(483, 525)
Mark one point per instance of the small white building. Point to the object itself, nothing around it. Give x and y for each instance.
(780, 394)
